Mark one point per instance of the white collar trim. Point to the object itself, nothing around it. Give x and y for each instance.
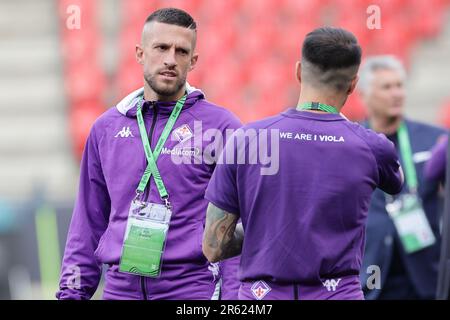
(129, 101)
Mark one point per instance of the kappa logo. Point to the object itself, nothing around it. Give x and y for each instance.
(183, 133)
(331, 284)
(260, 289)
(124, 133)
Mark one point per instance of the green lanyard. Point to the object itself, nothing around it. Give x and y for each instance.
(317, 106)
(152, 168)
(406, 153)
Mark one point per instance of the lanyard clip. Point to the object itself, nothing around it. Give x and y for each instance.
(167, 202)
(138, 195)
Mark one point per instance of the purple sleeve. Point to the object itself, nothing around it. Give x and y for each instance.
(389, 173)
(230, 283)
(81, 272)
(435, 167)
(228, 268)
(222, 188)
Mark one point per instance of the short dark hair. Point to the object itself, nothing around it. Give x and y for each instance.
(331, 48)
(173, 16)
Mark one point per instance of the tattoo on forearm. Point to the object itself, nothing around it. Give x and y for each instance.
(221, 234)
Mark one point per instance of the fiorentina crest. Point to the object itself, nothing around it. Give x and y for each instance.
(260, 289)
(183, 133)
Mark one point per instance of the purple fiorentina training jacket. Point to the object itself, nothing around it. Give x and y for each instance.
(112, 166)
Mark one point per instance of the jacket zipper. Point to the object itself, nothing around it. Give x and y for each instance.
(150, 136)
(144, 290)
(146, 192)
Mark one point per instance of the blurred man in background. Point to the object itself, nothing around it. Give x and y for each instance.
(123, 209)
(303, 226)
(402, 232)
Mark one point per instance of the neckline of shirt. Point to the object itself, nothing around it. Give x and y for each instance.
(294, 113)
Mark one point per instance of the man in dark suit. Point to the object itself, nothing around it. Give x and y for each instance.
(403, 245)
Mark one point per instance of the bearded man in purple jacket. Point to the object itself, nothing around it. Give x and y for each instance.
(121, 168)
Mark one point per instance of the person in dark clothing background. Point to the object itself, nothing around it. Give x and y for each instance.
(404, 243)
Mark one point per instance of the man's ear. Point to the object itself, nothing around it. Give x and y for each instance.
(298, 72)
(139, 54)
(194, 60)
(353, 85)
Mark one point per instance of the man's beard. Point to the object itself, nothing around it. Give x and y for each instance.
(166, 91)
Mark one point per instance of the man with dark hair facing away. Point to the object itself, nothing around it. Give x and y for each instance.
(302, 232)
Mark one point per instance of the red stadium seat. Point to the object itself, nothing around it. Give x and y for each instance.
(85, 82)
(431, 15)
(135, 10)
(444, 114)
(130, 78)
(354, 108)
(189, 6)
(394, 39)
(223, 78)
(209, 11)
(82, 117)
(78, 47)
(260, 11)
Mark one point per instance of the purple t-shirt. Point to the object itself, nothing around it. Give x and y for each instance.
(306, 222)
